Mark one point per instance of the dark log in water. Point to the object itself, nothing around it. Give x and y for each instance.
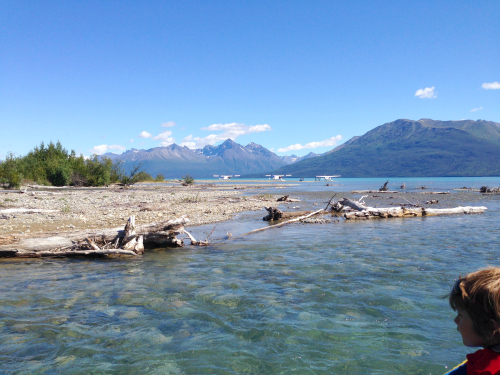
(276, 214)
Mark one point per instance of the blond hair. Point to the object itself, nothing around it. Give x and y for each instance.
(478, 293)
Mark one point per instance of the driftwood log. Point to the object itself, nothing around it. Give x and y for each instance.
(128, 241)
(373, 191)
(286, 198)
(273, 213)
(487, 189)
(363, 212)
(435, 192)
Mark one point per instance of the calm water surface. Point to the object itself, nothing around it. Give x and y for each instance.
(335, 298)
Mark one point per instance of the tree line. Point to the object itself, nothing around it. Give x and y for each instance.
(53, 165)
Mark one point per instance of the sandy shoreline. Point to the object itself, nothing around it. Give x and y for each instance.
(61, 210)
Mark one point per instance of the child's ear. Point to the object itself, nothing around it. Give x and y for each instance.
(495, 325)
(495, 329)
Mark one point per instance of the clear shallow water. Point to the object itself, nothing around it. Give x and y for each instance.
(337, 298)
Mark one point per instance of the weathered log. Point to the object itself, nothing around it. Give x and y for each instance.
(435, 192)
(487, 189)
(131, 239)
(384, 213)
(69, 253)
(455, 210)
(373, 191)
(286, 198)
(353, 204)
(194, 242)
(337, 207)
(276, 214)
(273, 213)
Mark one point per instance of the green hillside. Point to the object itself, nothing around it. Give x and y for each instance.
(409, 148)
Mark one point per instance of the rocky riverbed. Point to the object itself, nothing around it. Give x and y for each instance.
(41, 211)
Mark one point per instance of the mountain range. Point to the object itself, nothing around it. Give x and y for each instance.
(227, 158)
(402, 148)
(408, 148)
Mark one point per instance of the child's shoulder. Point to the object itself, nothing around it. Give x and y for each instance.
(484, 361)
(461, 369)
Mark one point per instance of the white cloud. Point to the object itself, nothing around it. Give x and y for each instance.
(145, 134)
(101, 149)
(491, 86)
(329, 142)
(167, 142)
(427, 93)
(132, 140)
(191, 145)
(168, 124)
(476, 109)
(232, 130)
(163, 136)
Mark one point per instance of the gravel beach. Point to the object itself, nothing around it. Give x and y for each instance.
(42, 211)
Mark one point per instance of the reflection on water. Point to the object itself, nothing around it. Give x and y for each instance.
(337, 298)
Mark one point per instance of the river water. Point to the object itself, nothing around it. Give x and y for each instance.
(334, 298)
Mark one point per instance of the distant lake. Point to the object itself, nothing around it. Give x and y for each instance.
(335, 298)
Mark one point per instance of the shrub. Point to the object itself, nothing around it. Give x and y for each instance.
(59, 172)
(143, 176)
(187, 180)
(98, 172)
(159, 178)
(9, 172)
(135, 175)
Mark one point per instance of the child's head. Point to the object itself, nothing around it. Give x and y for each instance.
(476, 297)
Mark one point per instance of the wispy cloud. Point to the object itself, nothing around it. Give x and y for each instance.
(101, 149)
(145, 134)
(491, 86)
(327, 143)
(162, 136)
(232, 130)
(168, 124)
(476, 109)
(427, 93)
(165, 138)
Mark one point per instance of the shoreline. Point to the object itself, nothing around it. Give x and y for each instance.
(53, 211)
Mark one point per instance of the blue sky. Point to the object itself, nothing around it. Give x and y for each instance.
(293, 76)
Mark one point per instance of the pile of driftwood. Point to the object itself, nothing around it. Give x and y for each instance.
(488, 190)
(130, 241)
(362, 212)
